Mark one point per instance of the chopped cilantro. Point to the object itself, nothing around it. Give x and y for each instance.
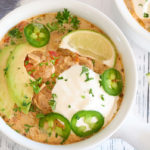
(52, 103)
(84, 70)
(146, 15)
(88, 78)
(27, 127)
(17, 109)
(31, 71)
(54, 95)
(17, 131)
(60, 78)
(43, 63)
(25, 104)
(53, 82)
(12, 42)
(15, 33)
(53, 61)
(93, 61)
(83, 96)
(69, 106)
(66, 79)
(47, 83)
(69, 31)
(53, 75)
(53, 26)
(140, 4)
(35, 84)
(102, 97)
(6, 69)
(91, 92)
(32, 109)
(103, 105)
(26, 62)
(49, 87)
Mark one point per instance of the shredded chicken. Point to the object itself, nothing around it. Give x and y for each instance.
(86, 62)
(41, 100)
(36, 57)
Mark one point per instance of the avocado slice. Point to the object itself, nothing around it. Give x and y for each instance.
(6, 103)
(17, 77)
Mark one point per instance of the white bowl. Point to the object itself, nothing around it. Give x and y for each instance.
(132, 28)
(99, 19)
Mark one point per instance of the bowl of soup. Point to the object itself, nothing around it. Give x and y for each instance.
(136, 21)
(68, 76)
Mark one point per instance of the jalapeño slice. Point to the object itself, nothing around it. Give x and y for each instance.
(37, 34)
(93, 120)
(63, 131)
(112, 82)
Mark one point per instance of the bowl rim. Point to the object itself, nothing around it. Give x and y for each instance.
(94, 140)
(136, 27)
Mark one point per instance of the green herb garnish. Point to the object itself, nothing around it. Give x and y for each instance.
(47, 83)
(84, 70)
(83, 96)
(27, 127)
(17, 109)
(25, 104)
(75, 22)
(54, 95)
(26, 62)
(102, 97)
(66, 79)
(52, 103)
(69, 106)
(146, 15)
(63, 17)
(60, 78)
(93, 61)
(91, 92)
(53, 26)
(15, 33)
(36, 85)
(53, 75)
(5, 70)
(31, 71)
(88, 78)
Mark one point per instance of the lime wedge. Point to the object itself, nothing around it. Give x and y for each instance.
(90, 44)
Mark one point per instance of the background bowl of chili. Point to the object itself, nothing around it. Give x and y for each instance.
(96, 17)
(131, 27)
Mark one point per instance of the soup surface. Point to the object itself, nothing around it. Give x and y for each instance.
(140, 10)
(54, 94)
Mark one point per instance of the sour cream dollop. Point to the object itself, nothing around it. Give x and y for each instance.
(73, 94)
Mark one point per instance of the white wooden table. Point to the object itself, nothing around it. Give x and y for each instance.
(136, 129)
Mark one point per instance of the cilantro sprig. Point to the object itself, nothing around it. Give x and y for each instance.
(62, 18)
(15, 33)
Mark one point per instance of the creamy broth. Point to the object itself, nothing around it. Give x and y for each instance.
(140, 10)
(28, 124)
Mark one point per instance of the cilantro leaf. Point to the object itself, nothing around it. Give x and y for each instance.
(84, 70)
(15, 33)
(75, 22)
